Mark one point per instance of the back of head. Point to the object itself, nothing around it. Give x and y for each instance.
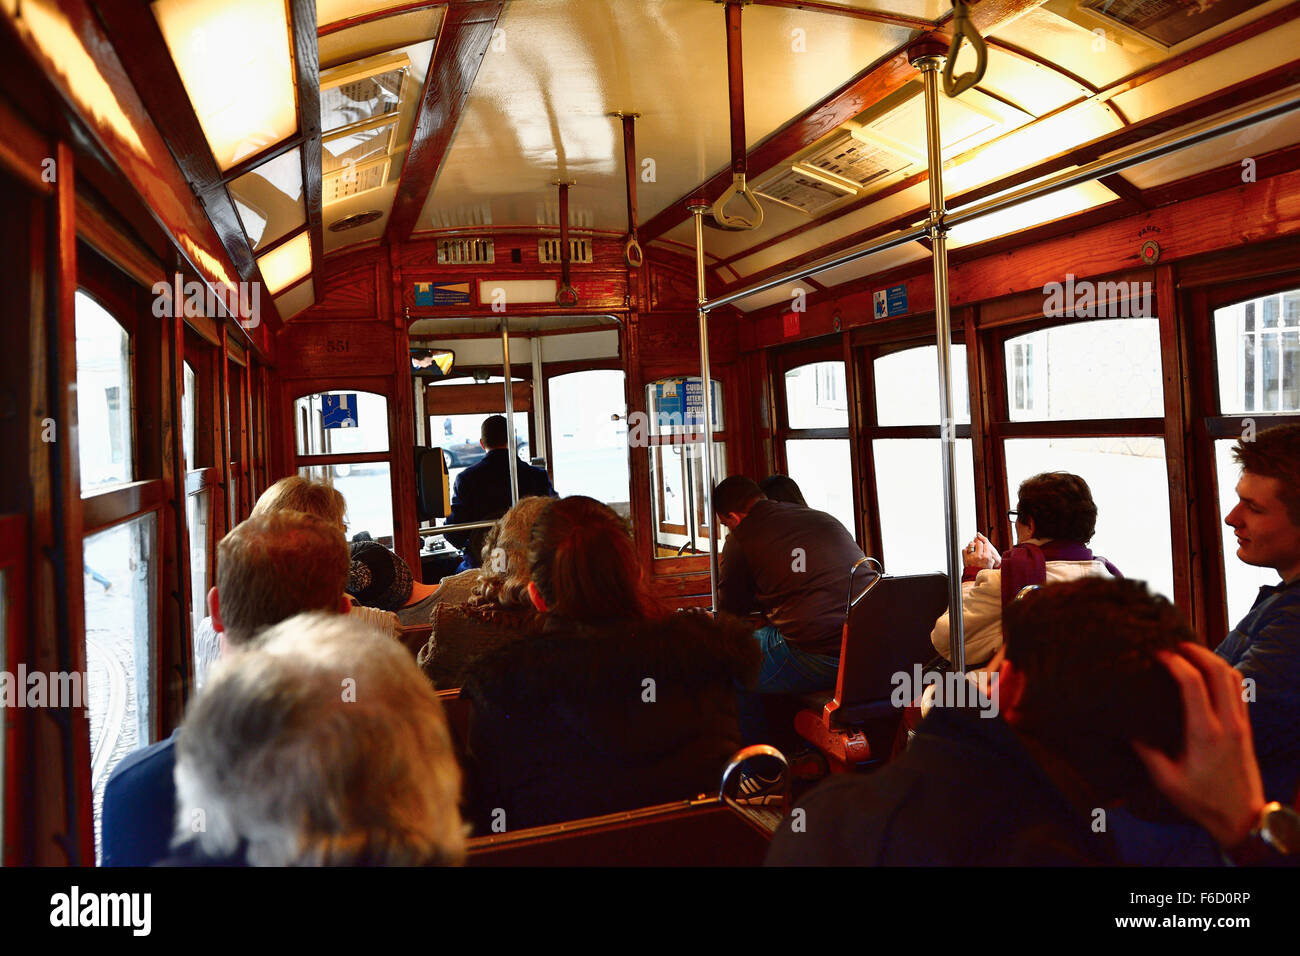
(378, 577)
(495, 432)
(276, 565)
(296, 493)
(583, 561)
(504, 583)
(735, 494)
(1061, 505)
(321, 744)
(782, 488)
(1275, 453)
(1092, 680)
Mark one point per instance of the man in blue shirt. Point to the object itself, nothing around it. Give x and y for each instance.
(1265, 646)
(269, 568)
(483, 489)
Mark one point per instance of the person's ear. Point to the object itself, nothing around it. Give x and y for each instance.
(1011, 689)
(344, 604)
(535, 596)
(1030, 530)
(214, 610)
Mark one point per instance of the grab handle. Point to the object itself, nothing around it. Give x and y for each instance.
(963, 27)
(739, 188)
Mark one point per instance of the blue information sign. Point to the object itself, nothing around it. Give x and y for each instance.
(680, 401)
(430, 294)
(339, 411)
(889, 302)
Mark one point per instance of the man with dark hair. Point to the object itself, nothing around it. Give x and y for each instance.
(1265, 646)
(782, 488)
(1055, 519)
(269, 568)
(482, 490)
(1022, 781)
(791, 563)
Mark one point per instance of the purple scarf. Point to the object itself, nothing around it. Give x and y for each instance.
(1026, 564)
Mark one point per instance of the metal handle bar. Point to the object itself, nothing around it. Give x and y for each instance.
(962, 27)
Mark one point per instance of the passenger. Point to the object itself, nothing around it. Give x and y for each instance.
(1020, 774)
(793, 564)
(379, 578)
(483, 489)
(292, 493)
(497, 611)
(617, 704)
(1055, 520)
(782, 488)
(1265, 645)
(282, 768)
(270, 567)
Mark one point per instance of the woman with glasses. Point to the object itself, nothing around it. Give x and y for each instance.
(1055, 518)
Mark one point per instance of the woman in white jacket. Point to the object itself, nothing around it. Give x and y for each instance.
(1055, 519)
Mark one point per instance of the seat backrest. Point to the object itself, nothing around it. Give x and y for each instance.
(886, 632)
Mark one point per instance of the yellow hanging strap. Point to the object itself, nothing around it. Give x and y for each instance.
(963, 27)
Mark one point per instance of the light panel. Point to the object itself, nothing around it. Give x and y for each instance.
(233, 57)
(286, 264)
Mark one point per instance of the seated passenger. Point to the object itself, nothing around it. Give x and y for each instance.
(1023, 775)
(498, 609)
(782, 488)
(791, 563)
(483, 489)
(616, 705)
(292, 493)
(269, 568)
(277, 767)
(379, 578)
(1055, 520)
(1265, 645)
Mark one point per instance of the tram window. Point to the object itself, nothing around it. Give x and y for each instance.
(1258, 351)
(458, 436)
(677, 501)
(188, 427)
(1242, 581)
(1106, 368)
(816, 396)
(103, 397)
(1130, 485)
(197, 509)
(120, 626)
(907, 387)
(588, 425)
(909, 490)
(367, 432)
(367, 491)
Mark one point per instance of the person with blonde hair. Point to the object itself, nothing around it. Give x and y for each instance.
(320, 745)
(487, 607)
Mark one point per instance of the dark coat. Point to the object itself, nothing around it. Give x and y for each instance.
(561, 727)
(483, 491)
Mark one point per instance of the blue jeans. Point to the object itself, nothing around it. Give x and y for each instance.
(785, 670)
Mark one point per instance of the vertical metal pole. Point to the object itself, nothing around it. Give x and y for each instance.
(930, 65)
(510, 410)
(697, 208)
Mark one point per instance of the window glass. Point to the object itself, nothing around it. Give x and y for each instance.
(1108, 368)
(1130, 486)
(189, 386)
(589, 436)
(677, 501)
(458, 436)
(907, 387)
(197, 507)
(357, 422)
(816, 396)
(1242, 580)
(120, 600)
(909, 485)
(822, 469)
(366, 490)
(103, 397)
(676, 406)
(1259, 362)
(233, 499)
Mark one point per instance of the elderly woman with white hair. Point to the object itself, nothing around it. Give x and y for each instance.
(322, 744)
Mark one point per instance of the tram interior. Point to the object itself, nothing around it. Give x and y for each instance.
(238, 234)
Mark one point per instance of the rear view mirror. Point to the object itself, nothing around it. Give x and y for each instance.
(432, 363)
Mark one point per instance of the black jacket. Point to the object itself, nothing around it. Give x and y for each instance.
(793, 564)
(563, 726)
(483, 491)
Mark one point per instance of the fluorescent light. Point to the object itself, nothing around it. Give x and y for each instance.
(233, 57)
(286, 264)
